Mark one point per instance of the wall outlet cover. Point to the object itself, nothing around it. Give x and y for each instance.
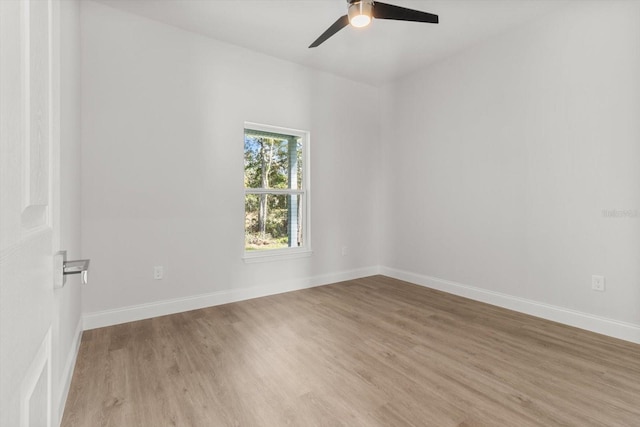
(597, 283)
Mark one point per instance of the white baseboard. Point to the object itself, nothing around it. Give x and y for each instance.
(67, 373)
(161, 308)
(601, 325)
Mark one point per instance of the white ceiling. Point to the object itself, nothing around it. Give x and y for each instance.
(376, 54)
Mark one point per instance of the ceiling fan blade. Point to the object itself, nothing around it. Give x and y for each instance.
(342, 22)
(389, 11)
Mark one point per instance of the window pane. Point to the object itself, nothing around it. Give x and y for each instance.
(272, 160)
(272, 221)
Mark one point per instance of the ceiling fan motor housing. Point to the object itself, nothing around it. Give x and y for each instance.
(360, 12)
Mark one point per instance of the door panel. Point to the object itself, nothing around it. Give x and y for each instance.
(28, 138)
(36, 86)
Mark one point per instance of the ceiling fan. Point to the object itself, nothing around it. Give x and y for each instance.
(361, 12)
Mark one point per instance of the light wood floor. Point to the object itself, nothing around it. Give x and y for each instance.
(368, 352)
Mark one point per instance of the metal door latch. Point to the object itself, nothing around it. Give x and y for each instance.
(63, 268)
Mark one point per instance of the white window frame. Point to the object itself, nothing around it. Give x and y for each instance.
(304, 192)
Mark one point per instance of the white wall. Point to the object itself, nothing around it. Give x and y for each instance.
(485, 174)
(162, 164)
(501, 159)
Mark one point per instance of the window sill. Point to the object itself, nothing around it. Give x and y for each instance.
(275, 255)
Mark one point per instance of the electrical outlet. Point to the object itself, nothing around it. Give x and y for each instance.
(158, 272)
(597, 283)
(344, 250)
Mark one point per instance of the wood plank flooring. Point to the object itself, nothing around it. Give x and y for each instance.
(368, 352)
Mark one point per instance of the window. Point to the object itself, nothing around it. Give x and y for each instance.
(276, 186)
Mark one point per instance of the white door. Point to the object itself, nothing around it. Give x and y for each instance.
(29, 189)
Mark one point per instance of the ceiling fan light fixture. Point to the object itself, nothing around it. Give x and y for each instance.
(360, 13)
